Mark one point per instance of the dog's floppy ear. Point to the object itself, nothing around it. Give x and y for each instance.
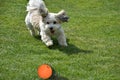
(43, 12)
(62, 16)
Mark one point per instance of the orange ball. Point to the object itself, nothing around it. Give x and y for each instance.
(44, 71)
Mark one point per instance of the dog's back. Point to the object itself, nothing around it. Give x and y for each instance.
(35, 9)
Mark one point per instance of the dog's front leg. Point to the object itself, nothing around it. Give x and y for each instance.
(62, 39)
(46, 39)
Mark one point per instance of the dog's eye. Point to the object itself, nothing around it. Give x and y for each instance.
(47, 22)
(54, 22)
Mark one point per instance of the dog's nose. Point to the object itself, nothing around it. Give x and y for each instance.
(51, 28)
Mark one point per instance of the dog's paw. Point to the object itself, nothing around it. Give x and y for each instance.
(49, 43)
(65, 44)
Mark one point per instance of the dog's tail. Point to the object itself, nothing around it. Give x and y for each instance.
(37, 5)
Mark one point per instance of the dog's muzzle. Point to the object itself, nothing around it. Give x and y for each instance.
(51, 30)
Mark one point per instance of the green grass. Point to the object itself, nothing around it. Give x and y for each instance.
(93, 34)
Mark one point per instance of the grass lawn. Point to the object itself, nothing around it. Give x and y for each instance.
(93, 35)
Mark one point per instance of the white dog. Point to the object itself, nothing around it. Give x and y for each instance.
(47, 24)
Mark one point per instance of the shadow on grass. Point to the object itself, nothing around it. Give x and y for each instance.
(37, 37)
(59, 78)
(56, 76)
(70, 49)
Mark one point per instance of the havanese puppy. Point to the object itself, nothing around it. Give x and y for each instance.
(39, 19)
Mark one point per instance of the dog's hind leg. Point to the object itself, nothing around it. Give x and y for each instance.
(32, 32)
(29, 26)
(31, 29)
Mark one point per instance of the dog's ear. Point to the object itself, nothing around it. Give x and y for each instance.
(42, 8)
(62, 16)
(43, 12)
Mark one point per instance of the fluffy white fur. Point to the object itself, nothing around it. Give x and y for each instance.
(46, 23)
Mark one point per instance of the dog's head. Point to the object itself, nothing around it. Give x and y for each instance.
(52, 21)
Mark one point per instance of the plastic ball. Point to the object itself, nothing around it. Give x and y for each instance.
(44, 71)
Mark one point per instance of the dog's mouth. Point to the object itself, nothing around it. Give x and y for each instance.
(52, 31)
